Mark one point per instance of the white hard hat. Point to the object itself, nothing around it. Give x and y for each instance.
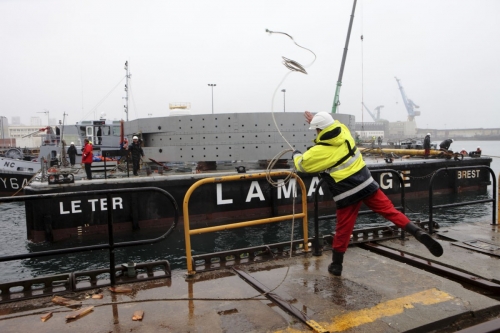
(72, 143)
(135, 138)
(478, 147)
(321, 120)
(429, 134)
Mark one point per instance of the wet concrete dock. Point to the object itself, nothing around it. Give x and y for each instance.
(374, 294)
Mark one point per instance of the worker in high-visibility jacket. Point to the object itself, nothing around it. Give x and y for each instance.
(341, 165)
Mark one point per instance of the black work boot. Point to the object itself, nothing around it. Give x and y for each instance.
(336, 266)
(430, 243)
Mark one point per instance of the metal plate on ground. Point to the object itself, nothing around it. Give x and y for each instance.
(454, 236)
(479, 246)
(482, 245)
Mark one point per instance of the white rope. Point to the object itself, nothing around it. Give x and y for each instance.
(293, 66)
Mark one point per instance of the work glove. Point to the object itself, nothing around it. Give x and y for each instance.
(296, 152)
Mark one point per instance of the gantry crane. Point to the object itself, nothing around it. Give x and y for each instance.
(377, 109)
(408, 103)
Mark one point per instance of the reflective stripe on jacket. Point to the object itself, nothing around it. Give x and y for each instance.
(345, 172)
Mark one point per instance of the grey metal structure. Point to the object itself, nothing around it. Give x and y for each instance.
(102, 133)
(409, 104)
(224, 137)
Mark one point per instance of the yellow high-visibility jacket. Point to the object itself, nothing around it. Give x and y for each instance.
(336, 156)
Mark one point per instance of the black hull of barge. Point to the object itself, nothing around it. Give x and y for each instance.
(80, 215)
(11, 183)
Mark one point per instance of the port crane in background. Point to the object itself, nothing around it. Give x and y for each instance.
(376, 117)
(408, 103)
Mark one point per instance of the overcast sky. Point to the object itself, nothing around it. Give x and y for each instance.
(68, 56)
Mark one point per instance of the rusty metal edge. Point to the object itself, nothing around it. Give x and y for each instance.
(433, 267)
(491, 326)
(278, 300)
(495, 253)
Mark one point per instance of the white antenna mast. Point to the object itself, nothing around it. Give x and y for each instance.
(127, 76)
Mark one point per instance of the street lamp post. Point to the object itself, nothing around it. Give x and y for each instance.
(283, 91)
(212, 85)
(3, 129)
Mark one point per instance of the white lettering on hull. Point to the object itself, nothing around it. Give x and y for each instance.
(385, 180)
(117, 203)
(12, 183)
(284, 191)
(104, 205)
(255, 192)
(76, 205)
(312, 187)
(221, 201)
(406, 179)
(468, 174)
(92, 202)
(61, 209)
(287, 191)
(387, 183)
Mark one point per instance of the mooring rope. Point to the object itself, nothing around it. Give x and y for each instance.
(292, 66)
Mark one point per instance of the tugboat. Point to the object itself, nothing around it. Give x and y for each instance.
(16, 170)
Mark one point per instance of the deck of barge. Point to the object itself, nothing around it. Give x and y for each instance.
(374, 294)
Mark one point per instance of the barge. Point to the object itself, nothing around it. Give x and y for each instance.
(85, 213)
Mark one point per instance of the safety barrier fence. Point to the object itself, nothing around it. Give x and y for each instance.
(465, 203)
(241, 177)
(112, 153)
(111, 245)
(317, 243)
(235, 257)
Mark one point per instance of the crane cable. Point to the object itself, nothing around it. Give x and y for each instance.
(102, 100)
(362, 74)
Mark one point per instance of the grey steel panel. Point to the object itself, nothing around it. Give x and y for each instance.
(231, 136)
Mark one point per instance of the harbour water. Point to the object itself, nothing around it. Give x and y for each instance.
(13, 235)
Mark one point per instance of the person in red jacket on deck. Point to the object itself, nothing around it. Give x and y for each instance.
(87, 157)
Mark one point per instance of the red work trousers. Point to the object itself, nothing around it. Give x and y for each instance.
(346, 218)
